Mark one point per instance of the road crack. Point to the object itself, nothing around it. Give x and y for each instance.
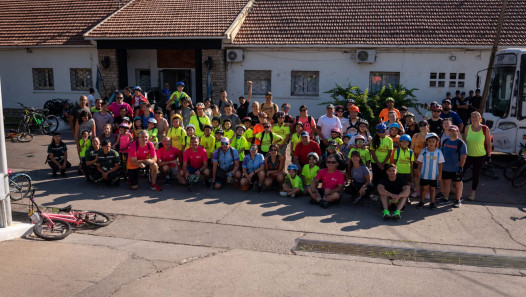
(505, 229)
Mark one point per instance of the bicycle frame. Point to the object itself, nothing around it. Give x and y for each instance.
(71, 217)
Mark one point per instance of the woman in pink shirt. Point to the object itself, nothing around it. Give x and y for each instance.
(332, 182)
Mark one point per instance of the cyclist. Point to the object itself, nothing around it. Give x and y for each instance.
(332, 182)
(225, 164)
(199, 120)
(141, 155)
(168, 159)
(90, 160)
(58, 155)
(393, 191)
(116, 106)
(384, 114)
(174, 102)
(195, 161)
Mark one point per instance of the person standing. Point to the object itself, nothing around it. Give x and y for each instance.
(326, 123)
(199, 120)
(304, 148)
(384, 114)
(462, 108)
(223, 101)
(455, 154)
(309, 124)
(478, 142)
(430, 162)
(102, 118)
(91, 98)
(269, 107)
(448, 113)
(474, 103)
(228, 114)
(381, 150)
(242, 110)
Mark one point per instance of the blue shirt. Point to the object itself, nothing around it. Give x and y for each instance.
(451, 156)
(224, 159)
(145, 120)
(430, 161)
(252, 165)
(455, 118)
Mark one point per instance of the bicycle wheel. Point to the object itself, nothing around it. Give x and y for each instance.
(95, 218)
(511, 168)
(50, 124)
(58, 230)
(19, 186)
(468, 175)
(24, 137)
(519, 178)
(22, 126)
(490, 171)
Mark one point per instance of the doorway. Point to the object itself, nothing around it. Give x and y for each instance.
(172, 76)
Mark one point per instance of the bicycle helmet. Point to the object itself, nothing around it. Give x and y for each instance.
(394, 125)
(280, 114)
(363, 121)
(359, 136)
(436, 107)
(355, 108)
(179, 83)
(137, 88)
(381, 126)
(190, 126)
(220, 131)
(332, 143)
(137, 118)
(176, 116)
(405, 137)
(124, 125)
(389, 99)
(348, 136)
(315, 155)
(247, 119)
(127, 119)
(193, 179)
(336, 130)
(241, 127)
(350, 101)
(152, 120)
(293, 167)
(432, 135)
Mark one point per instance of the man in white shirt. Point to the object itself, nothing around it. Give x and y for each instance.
(325, 125)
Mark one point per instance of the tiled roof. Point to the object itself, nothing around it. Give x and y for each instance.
(382, 22)
(170, 19)
(51, 22)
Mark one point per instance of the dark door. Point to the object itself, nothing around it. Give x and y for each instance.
(172, 76)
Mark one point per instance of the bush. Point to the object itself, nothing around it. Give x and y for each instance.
(371, 104)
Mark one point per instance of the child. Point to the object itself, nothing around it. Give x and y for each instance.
(418, 143)
(365, 155)
(227, 125)
(249, 134)
(208, 141)
(394, 134)
(123, 142)
(177, 133)
(109, 136)
(174, 103)
(430, 163)
(344, 148)
(239, 142)
(218, 135)
(336, 135)
(309, 171)
(381, 150)
(403, 158)
(137, 126)
(363, 129)
(215, 124)
(186, 111)
(282, 129)
(190, 131)
(146, 113)
(84, 145)
(292, 184)
(152, 131)
(295, 138)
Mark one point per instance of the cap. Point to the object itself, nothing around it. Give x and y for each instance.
(355, 108)
(446, 101)
(431, 135)
(422, 123)
(225, 139)
(330, 106)
(190, 126)
(453, 127)
(304, 133)
(152, 120)
(176, 116)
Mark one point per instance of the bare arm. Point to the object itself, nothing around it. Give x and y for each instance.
(249, 91)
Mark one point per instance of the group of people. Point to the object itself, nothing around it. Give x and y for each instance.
(218, 145)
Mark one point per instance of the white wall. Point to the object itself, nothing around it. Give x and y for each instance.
(338, 66)
(17, 76)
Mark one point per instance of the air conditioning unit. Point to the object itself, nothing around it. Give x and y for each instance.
(234, 55)
(365, 56)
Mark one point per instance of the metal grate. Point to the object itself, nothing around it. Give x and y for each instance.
(305, 83)
(81, 79)
(413, 255)
(43, 79)
(261, 81)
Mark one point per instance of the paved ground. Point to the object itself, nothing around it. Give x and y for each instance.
(232, 243)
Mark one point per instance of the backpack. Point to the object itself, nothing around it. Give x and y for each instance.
(398, 154)
(459, 145)
(309, 120)
(231, 154)
(263, 135)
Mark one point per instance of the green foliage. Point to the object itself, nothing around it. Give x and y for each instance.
(371, 104)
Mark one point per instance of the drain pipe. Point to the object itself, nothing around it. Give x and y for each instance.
(5, 201)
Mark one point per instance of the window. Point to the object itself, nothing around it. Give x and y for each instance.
(378, 80)
(43, 79)
(260, 79)
(81, 79)
(456, 80)
(305, 83)
(437, 79)
(143, 78)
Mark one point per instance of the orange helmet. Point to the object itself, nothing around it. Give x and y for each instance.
(355, 108)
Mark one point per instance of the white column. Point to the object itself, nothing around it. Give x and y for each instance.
(5, 201)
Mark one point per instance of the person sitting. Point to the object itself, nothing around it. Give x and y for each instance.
(141, 155)
(332, 147)
(225, 165)
(302, 150)
(274, 165)
(168, 161)
(108, 163)
(195, 162)
(332, 182)
(253, 169)
(360, 177)
(293, 184)
(57, 157)
(90, 160)
(394, 192)
(309, 171)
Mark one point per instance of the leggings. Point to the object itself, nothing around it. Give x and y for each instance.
(477, 163)
(378, 174)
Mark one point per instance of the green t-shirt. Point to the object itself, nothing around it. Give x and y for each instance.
(295, 139)
(195, 121)
(177, 96)
(177, 135)
(386, 145)
(108, 161)
(294, 182)
(338, 141)
(229, 133)
(282, 131)
(265, 142)
(84, 145)
(403, 161)
(153, 135)
(239, 144)
(365, 155)
(248, 134)
(208, 143)
(309, 173)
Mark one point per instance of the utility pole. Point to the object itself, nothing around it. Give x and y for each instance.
(492, 57)
(5, 200)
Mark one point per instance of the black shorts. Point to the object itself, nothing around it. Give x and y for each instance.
(322, 193)
(415, 165)
(406, 177)
(429, 182)
(133, 175)
(452, 176)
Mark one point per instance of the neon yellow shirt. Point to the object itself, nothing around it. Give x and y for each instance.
(338, 140)
(403, 161)
(295, 139)
(84, 146)
(248, 134)
(177, 135)
(239, 144)
(208, 143)
(265, 142)
(177, 96)
(282, 131)
(153, 135)
(204, 121)
(309, 173)
(229, 133)
(386, 145)
(295, 182)
(365, 155)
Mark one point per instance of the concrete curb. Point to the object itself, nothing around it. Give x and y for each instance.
(16, 230)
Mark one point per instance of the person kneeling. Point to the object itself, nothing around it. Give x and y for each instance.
(393, 192)
(332, 182)
(108, 163)
(225, 164)
(293, 184)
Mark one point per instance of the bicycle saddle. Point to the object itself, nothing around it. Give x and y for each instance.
(65, 209)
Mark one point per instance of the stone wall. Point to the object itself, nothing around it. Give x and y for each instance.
(110, 75)
(217, 73)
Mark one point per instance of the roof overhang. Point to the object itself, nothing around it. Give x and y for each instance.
(159, 43)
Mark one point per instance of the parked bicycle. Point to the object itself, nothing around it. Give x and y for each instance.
(519, 178)
(19, 185)
(513, 166)
(488, 170)
(54, 226)
(59, 107)
(37, 120)
(14, 136)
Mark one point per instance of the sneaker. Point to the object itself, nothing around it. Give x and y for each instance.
(432, 205)
(283, 194)
(386, 215)
(260, 189)
(312, 201)
(408, 202)
(63, 172)
(357, 199)
(471, 197)
(439, 195)
(54, 174)
(156, 187)
(374, 198)
(415, 194)
(420, 205)
(324, 204)
(397, 215)
(293, 196)
(457, 204)
(443, 200)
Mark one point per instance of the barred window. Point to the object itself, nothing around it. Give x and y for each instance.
(437, 79)
(43, 79)
(261, 81)
(456, 80)
(81, 79)
(305, 83)
(143, 78)
(378, 80)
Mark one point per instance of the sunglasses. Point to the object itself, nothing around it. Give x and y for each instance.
(285, 108)
(253, 149)
(266, 127)
(339, 110)
(224, 143)
(381, 131)
(158, 113)
(273, 150)
(330, 162)
(120, 97)
(302, 110)
(359, 141)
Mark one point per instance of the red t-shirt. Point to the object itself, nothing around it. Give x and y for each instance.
(195, 159)
(164, 155)
(141, 153)
(330, 180)
(302, 151)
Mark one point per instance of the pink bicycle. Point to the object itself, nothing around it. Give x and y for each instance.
(54, 226)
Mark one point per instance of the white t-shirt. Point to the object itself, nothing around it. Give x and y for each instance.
(91, 100)
(430, 161)
(327, 124)
(345, 125)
